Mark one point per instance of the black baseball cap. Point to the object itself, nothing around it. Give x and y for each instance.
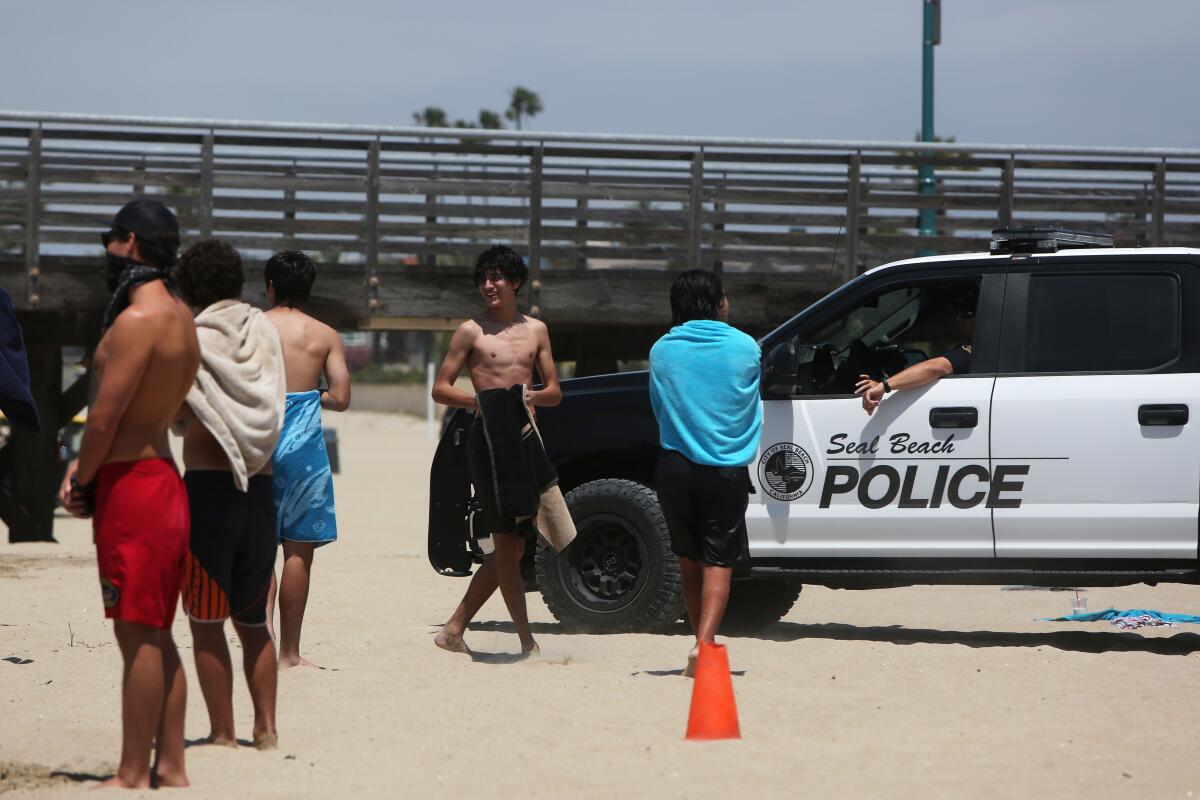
(149, 219)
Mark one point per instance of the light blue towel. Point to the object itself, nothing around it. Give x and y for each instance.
(1112, 613)
(304, 510)
(704, 390)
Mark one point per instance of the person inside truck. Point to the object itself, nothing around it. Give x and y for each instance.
(955, 361)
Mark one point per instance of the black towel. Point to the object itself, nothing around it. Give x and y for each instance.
(515, 458)
(132, 276)
(16, 400)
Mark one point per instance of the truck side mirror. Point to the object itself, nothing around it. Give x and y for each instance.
(779, 371)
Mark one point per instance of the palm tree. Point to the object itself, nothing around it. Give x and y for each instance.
(490, 120)
(524, 103)
(431, 117)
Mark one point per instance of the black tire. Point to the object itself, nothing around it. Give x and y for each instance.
(754, 605)
(619, 574)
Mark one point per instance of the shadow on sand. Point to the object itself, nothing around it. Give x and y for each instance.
(1180, 644)
(204, 742)
(79, 777)
(480, 657)
(678, 673)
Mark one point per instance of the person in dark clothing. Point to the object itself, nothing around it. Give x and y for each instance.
(16, 400)
(955, 361)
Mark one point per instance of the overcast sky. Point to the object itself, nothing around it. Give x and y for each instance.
(1097, 72)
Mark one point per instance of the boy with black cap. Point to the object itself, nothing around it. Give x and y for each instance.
(127, 482)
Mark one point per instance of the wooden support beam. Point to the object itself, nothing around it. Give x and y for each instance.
(33, 218)
(718, 228)
(535, 231)
(1160, 201)
(139, 177)
(391, 323)
(853, 179)
(206, 186)
(289, 211)
(696, 210)
(1007, 180)
(431, 203)
(581, 210)
(371, 230)
(73, 400)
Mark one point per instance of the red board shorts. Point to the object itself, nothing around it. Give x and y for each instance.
(141, 529)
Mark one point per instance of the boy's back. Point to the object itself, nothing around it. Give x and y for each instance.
(305, 513)
(307, 347)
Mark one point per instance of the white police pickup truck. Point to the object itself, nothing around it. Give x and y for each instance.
(1061, 453)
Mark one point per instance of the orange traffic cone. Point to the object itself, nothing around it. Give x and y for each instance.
(714, 711)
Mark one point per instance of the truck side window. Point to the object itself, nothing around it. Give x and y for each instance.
(1101, 323)
(884, 334)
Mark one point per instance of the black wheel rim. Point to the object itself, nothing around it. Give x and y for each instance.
(605, 569)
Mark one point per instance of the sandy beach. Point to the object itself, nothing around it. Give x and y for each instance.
(916, 692)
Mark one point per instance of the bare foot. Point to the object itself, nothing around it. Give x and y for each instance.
(266, 741)
(171, 780)
(287, 662)
(219, 741)
(690, 670)
(452, 642)
(115, 782)
(533, 651)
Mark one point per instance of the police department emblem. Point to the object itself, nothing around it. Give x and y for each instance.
(785, 471)
(110, 593)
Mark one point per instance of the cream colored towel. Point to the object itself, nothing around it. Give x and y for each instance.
(553, 521)
(240, 388)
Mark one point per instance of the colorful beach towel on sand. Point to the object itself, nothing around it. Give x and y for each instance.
(1133, 618)
(304, 510)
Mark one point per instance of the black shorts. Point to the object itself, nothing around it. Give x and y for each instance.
(705, 509)
(232, 554)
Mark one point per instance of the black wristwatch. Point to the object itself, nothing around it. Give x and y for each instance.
(886, 387)
(86, 492)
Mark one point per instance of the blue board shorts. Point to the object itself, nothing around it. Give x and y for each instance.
(304, 508)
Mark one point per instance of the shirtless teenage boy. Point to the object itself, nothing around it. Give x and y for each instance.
(500, 349)
(127, 482)
(230, 429)
(304, 510)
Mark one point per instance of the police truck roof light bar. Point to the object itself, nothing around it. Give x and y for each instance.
(1044, 239)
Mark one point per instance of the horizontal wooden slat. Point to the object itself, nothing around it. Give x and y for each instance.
(764, 212)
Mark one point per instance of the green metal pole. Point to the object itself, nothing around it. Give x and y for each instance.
(926, 182)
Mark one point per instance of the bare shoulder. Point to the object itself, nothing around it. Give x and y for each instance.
(326, 332)
(538, 327)
(142, 314)
(131, 325)
(469, 330)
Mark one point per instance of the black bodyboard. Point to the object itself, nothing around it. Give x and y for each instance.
(449, 499)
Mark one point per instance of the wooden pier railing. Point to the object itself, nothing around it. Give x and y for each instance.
(396, 215)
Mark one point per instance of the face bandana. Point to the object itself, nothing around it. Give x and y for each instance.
(124, 276)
